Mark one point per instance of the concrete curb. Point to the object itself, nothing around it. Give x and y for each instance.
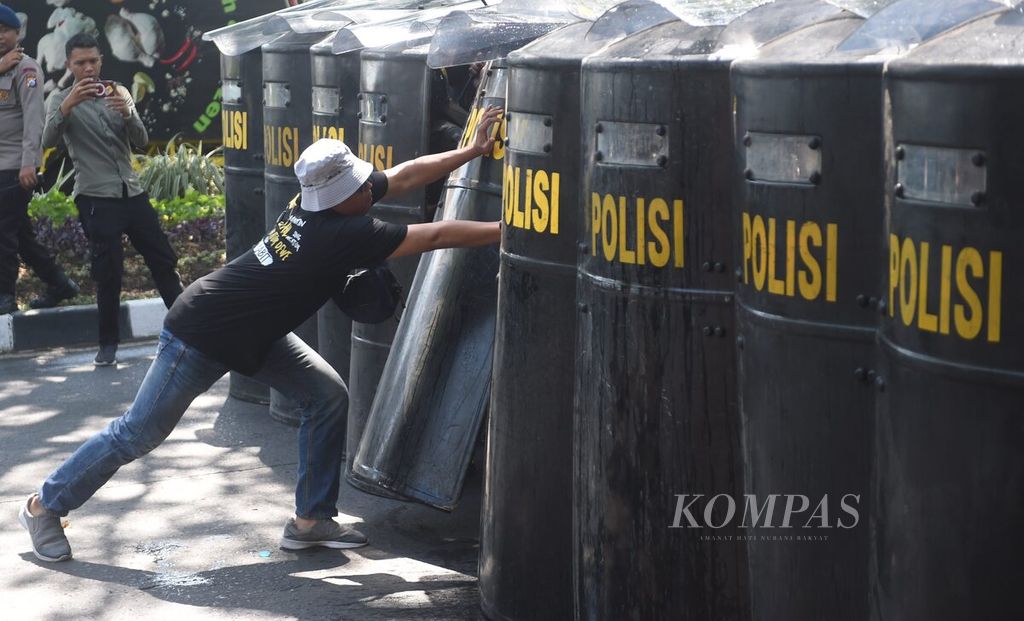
(77, 325)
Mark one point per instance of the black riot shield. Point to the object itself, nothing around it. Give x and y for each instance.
(393, 127)
(287, 130)
(950, 470)
(529, 435)
(655, 414)
(433, 392)
(808, 214)
(335, 81)
(242, 123)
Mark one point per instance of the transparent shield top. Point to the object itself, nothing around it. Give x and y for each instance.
(252, 33)
(488, 34)
(403, 26)
(709, 12)
(244, 38)
(907, 23)
(627, 18)
(589, 10)
(993, 43)
(864, 8)
(261, 20)
(311, 19)
(768, 22)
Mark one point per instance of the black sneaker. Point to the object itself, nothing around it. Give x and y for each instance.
(107, 356)
(48, 541)
(325, 533)
(55, 295)
(7, 304)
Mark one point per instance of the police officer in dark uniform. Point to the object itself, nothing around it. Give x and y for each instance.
(21, 130)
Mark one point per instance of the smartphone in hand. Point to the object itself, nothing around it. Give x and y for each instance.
(105, 88)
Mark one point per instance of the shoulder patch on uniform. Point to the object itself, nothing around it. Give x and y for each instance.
(30, 80)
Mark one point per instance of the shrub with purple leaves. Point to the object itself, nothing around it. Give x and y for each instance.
(65, 238)
(200, 230)
(199, 244)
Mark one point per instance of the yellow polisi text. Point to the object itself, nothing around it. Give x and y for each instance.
(530, 199)
(499, 130)
(235, 125)
(806, 259)
(637, 231)
(380, 155)
(945, 289)
(325, 131)
(280, 145)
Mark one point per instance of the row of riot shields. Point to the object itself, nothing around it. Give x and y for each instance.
(753, 356)
(750, 351)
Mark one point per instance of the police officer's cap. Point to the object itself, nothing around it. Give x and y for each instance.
(9, 18)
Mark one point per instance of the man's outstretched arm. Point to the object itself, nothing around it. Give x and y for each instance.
(429, 168)
(447, 234)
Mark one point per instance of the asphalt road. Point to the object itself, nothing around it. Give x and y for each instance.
(191, 530)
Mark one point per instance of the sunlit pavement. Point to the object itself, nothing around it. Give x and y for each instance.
(191, 530)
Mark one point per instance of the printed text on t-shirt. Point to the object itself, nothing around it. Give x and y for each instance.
(282, 242)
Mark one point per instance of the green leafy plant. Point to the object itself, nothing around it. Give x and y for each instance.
(54, 204)
(180, 168)
(192, 206)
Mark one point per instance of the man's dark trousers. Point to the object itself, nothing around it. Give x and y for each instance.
(104, 221)
(18, 238)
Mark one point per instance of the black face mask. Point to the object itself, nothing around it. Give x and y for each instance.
(370, 295)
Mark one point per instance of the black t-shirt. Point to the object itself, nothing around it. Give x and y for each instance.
(234, 314)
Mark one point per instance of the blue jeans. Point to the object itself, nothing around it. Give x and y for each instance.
(181, 373)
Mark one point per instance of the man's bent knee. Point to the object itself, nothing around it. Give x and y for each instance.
(130, 443)
(330, 403)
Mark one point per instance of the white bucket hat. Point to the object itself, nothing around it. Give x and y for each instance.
(329, 173)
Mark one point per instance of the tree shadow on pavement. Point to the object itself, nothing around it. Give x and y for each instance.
(273, 587)
(406, 529)
(421, 564)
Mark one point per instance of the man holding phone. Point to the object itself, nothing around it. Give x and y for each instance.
(21, 126)
(99, 124)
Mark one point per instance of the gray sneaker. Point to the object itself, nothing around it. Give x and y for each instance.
(48, 540)
(325, 533)
(107, 356)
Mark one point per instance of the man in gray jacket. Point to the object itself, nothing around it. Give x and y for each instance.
(99, 124)
(21, 127)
